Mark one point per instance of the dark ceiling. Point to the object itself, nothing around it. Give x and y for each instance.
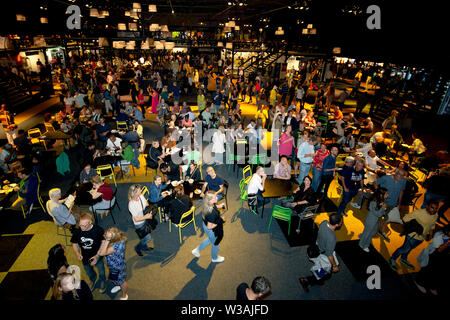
(410, 32)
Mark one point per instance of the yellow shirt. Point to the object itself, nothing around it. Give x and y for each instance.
(426, 220)
(418, 146)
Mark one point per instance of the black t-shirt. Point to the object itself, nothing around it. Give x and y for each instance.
(241, 291)
(213, 217)
(174, 173)
(89, 241)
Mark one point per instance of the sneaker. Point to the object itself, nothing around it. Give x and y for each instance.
(103, 287)
(115, 289)
(366, 250)
(304, 284)
(421, 289)
(124, 298)
(407, 264)
(218, 260)
(196, 253)
(148, 249)
(355, 205)
(392, 264)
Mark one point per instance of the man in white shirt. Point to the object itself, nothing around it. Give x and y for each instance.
(79, 100)
(305, 154)
(256, 185)
(113, 145)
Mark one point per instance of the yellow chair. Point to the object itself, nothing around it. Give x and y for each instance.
(35, 134)
(122, 125)
(49, 127)
(109, 172)
(144, 191)
(245, 171)
(200, 168)
(182, 224)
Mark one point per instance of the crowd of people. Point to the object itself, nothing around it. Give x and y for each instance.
(315, 144)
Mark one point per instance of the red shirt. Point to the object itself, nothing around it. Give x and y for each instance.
(141, 98)
(338, 115)
(106, 191)
(319, 157)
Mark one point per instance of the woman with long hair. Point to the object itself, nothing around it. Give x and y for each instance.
(113, 248)
(212, 225)
(303, 197)
(136, 205)
(67, 286)
(377, 208)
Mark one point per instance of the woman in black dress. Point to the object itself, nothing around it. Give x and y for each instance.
(303, 197)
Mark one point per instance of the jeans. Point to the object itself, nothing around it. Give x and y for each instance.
(346, 198)
(304, 171)
(210, 240)
(409, 244)
(142, 245)
(91, 272)
(430, 196)
(325, 182)
(317, 177)
(218, 157)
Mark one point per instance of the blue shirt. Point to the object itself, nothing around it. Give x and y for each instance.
(214, 184)
(100, 129)
(176, 91)
(138, 115)
(328, 163)
(394, 188)
(122, 117)
(155, 192)
(353, 178)
(217, 98)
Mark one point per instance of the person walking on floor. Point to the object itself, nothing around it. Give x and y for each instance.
(377, 208)
(86, 241)
(213, 227)
(325, 260)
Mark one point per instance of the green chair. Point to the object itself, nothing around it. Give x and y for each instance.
(243, 194)
(281, 213)
(324, 121)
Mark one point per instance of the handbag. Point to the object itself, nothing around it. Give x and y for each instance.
(151, 222)
(113, 275)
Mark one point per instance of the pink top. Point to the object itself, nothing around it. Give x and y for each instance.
(285, 147)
